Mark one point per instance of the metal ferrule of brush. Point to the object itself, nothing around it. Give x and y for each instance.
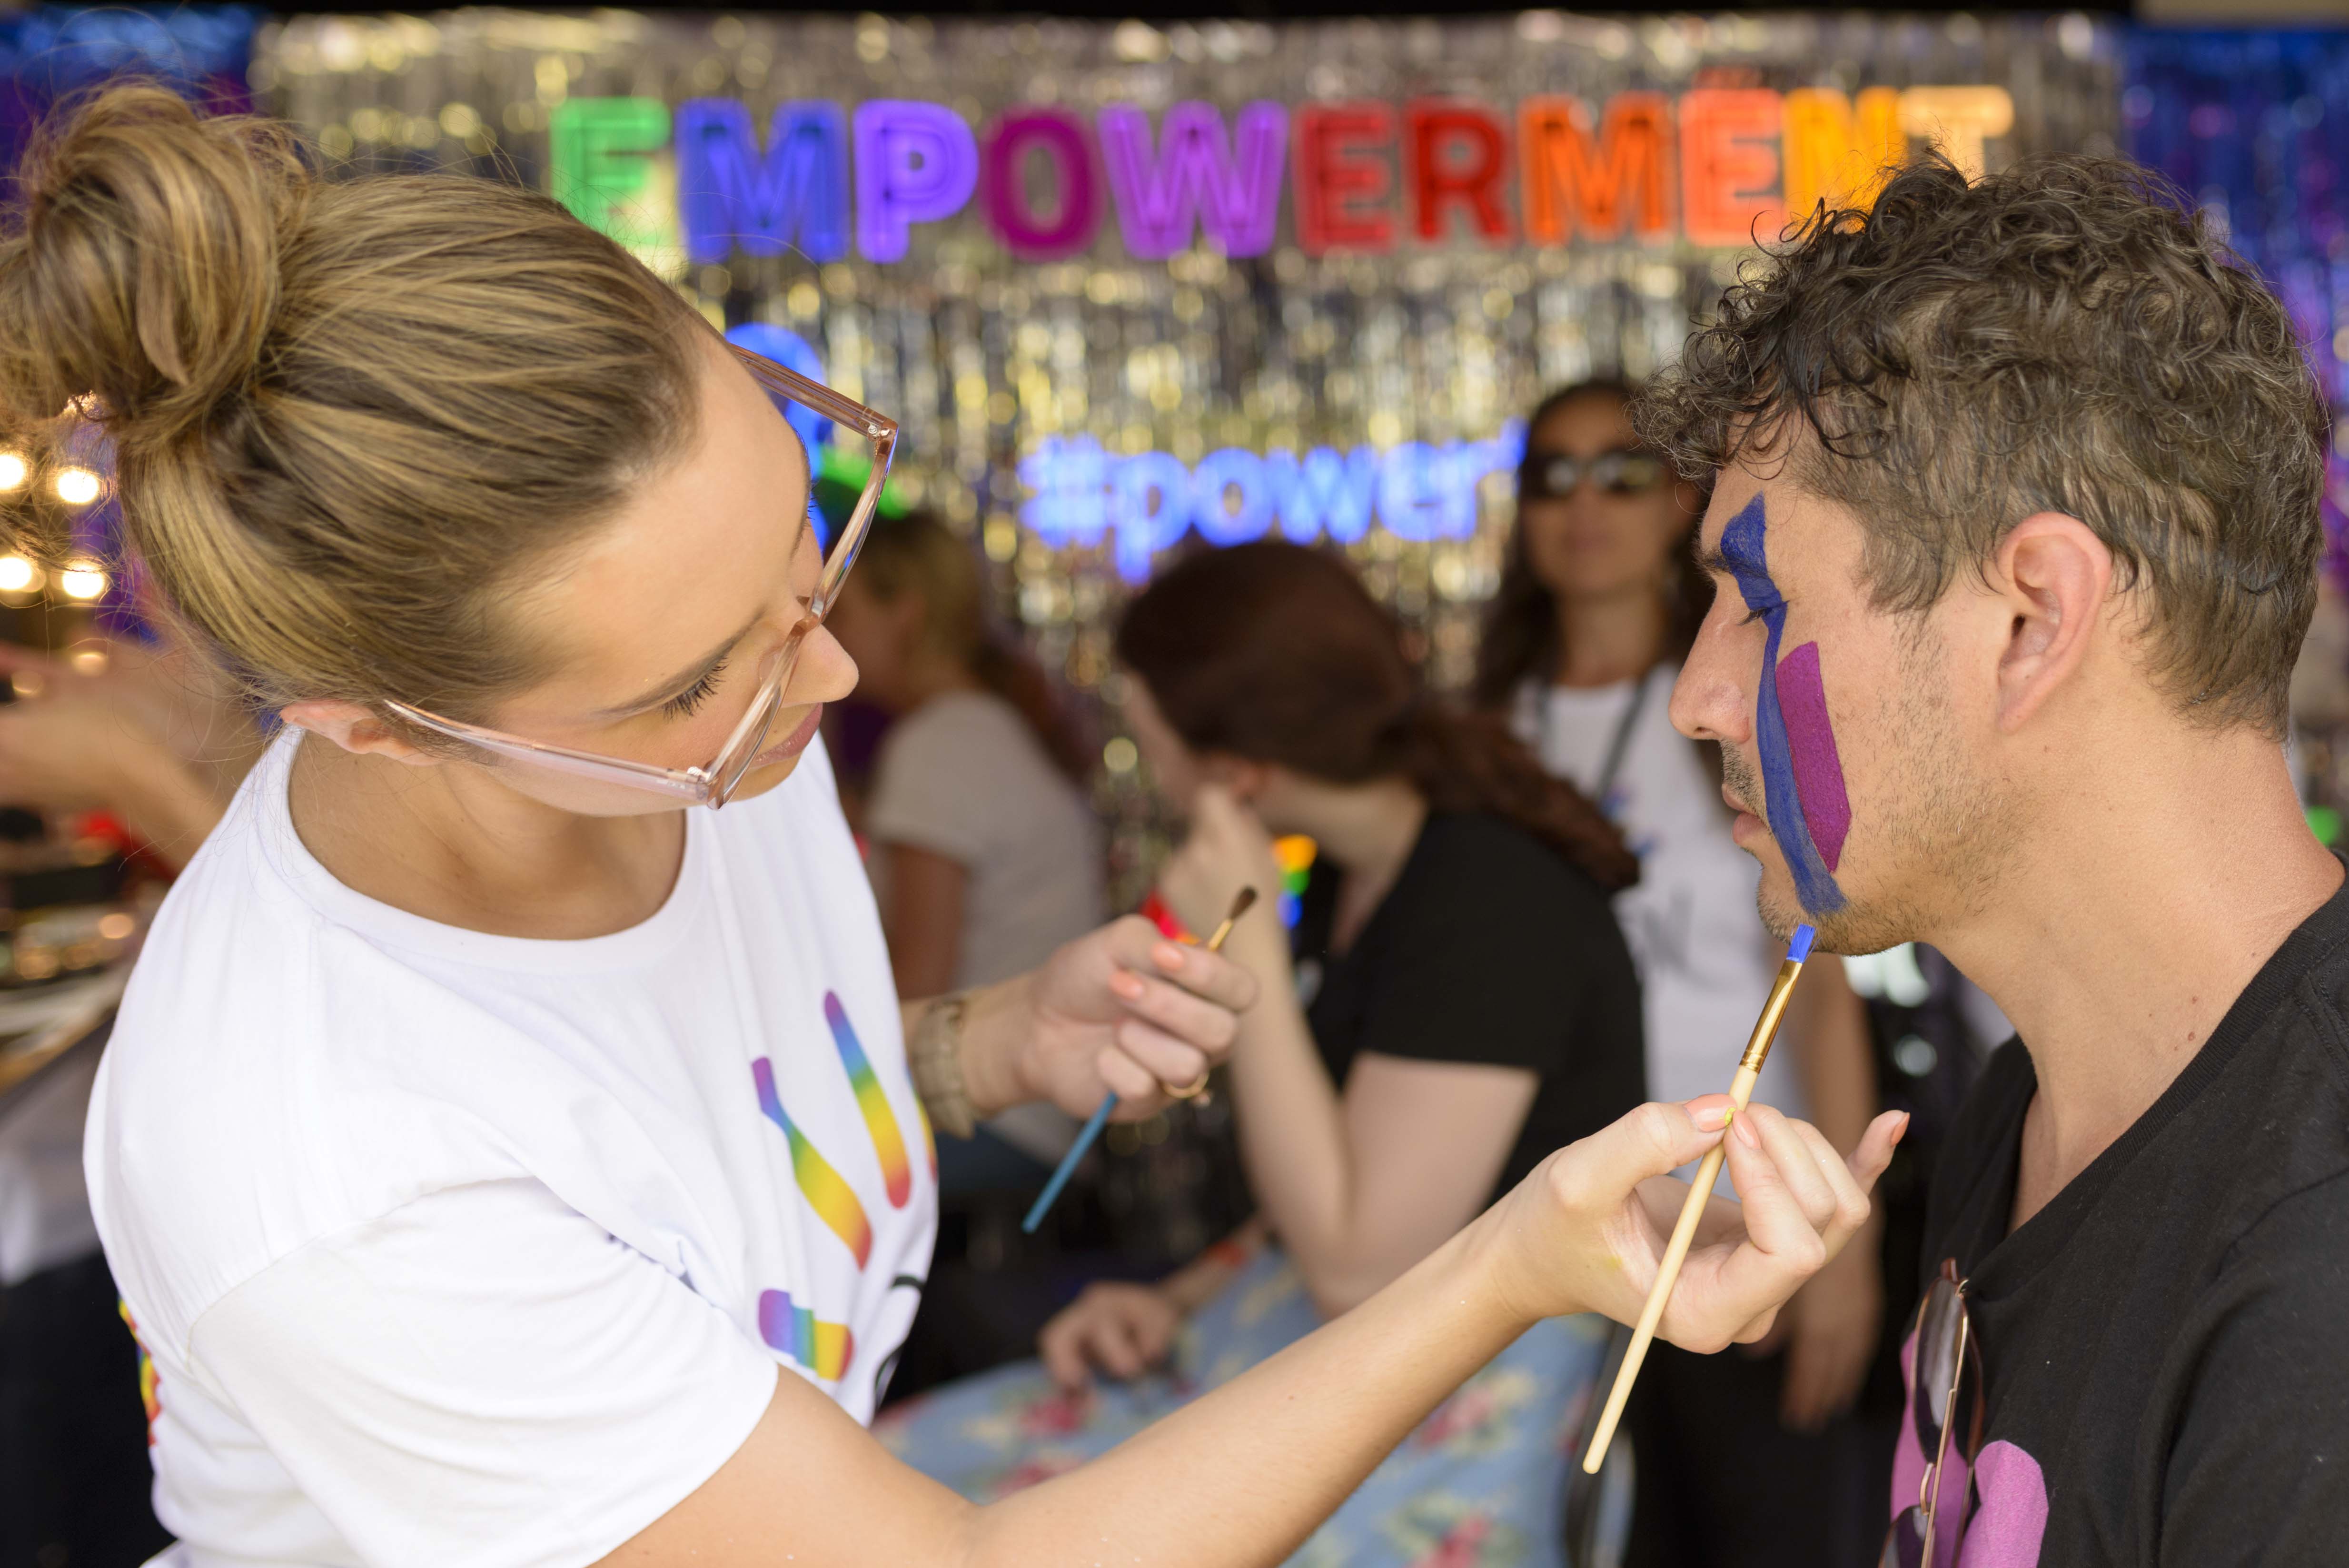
(1765, 1028)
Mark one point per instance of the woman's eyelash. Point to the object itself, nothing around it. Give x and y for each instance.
(1751, 617)
(682, 705)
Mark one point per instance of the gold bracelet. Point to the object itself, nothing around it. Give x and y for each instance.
(935, 1056)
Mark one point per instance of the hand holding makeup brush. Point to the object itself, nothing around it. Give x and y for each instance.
(1227, 846)
(1123, 1009)
(1600, 1247)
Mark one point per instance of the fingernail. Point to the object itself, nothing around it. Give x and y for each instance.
(1126, 985)
(1168, 955)
(1746, 1132)
(1709, 1118)
(1902, 1130)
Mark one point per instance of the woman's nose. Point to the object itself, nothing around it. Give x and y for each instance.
(824, 673)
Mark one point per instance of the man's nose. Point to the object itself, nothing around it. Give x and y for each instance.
(1710, 702)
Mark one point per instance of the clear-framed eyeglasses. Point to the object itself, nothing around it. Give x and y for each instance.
(713, 783)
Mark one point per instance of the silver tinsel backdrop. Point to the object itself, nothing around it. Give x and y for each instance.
(986, 357)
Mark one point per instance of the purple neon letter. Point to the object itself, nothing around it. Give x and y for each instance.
(916, 162)
(1195, 176)
(1025, 234)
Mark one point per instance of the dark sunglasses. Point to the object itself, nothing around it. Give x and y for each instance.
(1554, 476)
(1945, 1392)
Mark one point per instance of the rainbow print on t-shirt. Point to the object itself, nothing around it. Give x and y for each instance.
(826, 1191)
(880, 1121)
(823, 1348)
(146, 1380)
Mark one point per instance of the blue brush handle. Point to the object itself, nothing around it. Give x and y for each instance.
(1068, 1166)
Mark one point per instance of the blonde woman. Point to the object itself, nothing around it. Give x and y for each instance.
(503, 1162)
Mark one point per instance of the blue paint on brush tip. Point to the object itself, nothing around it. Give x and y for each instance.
(1800, 947)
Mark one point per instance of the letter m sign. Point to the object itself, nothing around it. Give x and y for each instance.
(727, 195)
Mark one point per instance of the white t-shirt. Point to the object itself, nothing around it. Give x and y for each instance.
(963, 776)
(474, 1251)
(1705, 961)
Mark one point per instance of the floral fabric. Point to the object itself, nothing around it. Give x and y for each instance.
(1480, 1484)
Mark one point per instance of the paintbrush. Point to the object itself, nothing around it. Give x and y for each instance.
(1740, 1089)
(1100, 1118)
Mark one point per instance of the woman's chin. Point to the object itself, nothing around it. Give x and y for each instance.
(764, 777)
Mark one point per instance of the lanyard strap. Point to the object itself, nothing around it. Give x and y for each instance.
(1619, 745)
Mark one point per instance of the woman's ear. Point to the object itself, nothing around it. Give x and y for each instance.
(357, 729)
(1242, 778)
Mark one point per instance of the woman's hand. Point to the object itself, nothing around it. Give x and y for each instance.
(1226, 849)
(1587, 1230)
(1125, 1329)
(1120, 1010)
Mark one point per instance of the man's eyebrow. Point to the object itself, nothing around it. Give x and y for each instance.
(1709, 558)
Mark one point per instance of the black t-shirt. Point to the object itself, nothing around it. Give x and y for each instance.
(1490, 948)
(2166, 1344)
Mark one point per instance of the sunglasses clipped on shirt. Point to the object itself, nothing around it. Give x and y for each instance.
(1554, 476)
(1945, 1401)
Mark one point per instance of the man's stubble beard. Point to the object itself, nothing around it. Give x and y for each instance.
(1927, 845)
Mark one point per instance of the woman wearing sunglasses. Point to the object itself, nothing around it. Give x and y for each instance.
(501, 1162)
(1739, 1458)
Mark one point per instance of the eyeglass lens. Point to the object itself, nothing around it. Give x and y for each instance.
(1926, 1533)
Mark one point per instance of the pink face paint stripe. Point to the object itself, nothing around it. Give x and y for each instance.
(1810, 740)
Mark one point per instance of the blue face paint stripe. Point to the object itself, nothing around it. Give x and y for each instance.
(1745, 550)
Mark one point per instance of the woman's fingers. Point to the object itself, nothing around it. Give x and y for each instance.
(1114, 1342)
(1169, 1008)
(1651, 1141)
(1061, 1349)
(1778, 1231)
(1797, 1214)
(1766, 1127)
(1139, 1091)
(1869, 1161)
(1138, 947)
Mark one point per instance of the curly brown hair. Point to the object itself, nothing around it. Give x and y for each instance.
(2067, 336)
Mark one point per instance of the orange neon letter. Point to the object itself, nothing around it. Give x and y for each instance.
(1957, 120)
(1728, 165)
(1576, 182)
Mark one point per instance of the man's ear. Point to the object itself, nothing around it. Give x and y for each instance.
(355, 730)
(2053, 576)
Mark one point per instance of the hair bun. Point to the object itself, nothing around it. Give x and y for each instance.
(142, 261)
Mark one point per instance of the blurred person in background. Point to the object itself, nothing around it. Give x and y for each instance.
(140, 732)
(1455, 1001)
(1751, 1459)
(985, 854)
(143, 734)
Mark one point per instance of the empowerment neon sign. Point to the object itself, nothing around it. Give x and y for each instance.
(1146, 503)
(1715, 166)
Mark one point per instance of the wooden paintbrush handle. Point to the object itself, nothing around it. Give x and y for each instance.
(1668, 1272)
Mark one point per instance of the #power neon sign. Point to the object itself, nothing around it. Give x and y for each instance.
(1148, 502)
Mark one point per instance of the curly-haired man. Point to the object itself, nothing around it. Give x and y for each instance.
(2016, 534)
